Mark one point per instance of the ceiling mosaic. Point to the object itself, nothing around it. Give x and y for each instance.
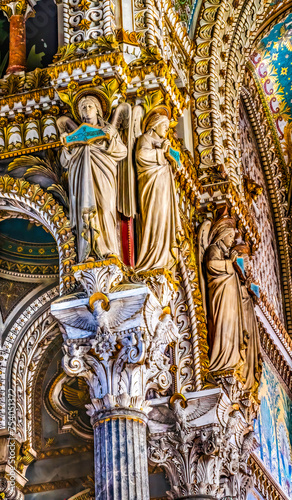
(272, 63)
(27, 248)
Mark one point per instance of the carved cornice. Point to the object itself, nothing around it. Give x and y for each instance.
(264, 482)
(54, 485)
(275, 356)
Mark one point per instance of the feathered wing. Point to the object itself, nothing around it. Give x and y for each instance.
(77, 317)
(201, 406)
(128, 122)
(76, 397)
(123, 309)
(203, 241)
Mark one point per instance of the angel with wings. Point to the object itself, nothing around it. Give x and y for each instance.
(101, 179)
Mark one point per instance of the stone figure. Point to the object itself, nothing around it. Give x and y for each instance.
(93, 182)
(232, 324)
(160, 224)
(223, 298)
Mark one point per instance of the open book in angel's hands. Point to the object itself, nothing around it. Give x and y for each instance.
(85, 134)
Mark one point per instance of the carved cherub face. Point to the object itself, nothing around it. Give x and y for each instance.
(228, 240)
(161, 129)
(90, 111)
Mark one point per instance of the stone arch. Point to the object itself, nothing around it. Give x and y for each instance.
(32, 202)
(276, 187)
(19, 341)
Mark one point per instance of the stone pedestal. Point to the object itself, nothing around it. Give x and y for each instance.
(121, 466)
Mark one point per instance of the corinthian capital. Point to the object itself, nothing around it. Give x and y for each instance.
(18, 8)
(115, 336)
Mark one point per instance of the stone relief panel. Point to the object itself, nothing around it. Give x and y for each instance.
(273, 427)
(265, 264)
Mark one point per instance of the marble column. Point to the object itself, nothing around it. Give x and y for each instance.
(120, 362)
(17, 14)
(121, 466)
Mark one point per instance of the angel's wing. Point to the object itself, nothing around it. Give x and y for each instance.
(76, 397)
(123, 309)
(130, 122)
(203, 241)
(66, 124)
(199, 407)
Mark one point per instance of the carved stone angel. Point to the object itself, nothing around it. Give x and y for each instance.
(93, 181)
(160, 224)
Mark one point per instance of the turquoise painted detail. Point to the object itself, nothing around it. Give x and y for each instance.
(175, 155)
(255, 289)
(85, 133)
(240, 263)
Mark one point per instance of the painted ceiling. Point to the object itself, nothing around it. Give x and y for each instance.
(272, 63)
(27, 248)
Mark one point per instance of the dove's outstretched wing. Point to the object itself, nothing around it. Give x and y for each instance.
(200, 406)
(72, 311)
(123, 309)
(80, 318)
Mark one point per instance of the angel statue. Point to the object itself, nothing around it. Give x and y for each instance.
(160, 224)
(222, 297)
(92, 154)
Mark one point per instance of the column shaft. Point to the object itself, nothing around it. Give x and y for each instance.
(17, 44)
(121, 464)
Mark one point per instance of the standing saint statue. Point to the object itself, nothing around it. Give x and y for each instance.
(223, 299)
(93, 182)
(160, 224)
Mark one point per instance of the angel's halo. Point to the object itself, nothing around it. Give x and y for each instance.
(161, 110)
(93, 92)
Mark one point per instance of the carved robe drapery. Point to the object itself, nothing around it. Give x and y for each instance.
(225, 310)
(252, 368)
(93, 193)
(159, 213)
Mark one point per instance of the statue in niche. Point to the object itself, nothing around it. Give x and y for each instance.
(160, 225)
(223, 300)
(95, 187)
(232, 324)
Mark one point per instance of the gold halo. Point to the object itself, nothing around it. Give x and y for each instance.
(180, 397)
(161, 110)
(99, 95)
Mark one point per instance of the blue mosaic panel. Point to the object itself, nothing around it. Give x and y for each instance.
(274, 429)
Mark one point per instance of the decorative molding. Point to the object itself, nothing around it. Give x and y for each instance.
(225, 33)
(264, 482)
(14, 336)
(275, 356)
(272, 165)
